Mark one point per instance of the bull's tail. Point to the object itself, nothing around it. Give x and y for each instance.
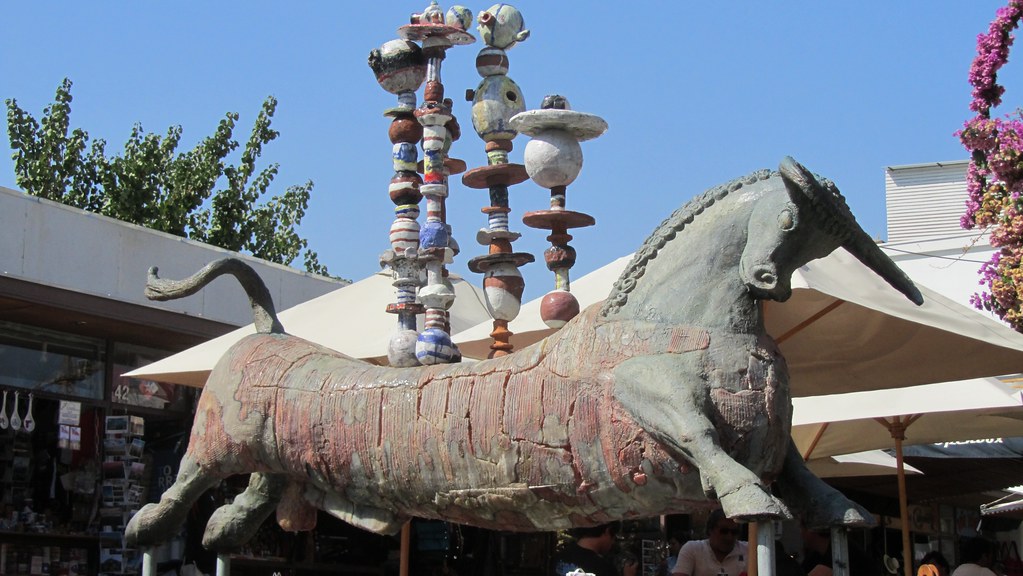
(263, 313)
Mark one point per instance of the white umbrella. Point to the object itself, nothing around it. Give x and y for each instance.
(866, 463)
(948, 411)
(350, 320)
(844, 329)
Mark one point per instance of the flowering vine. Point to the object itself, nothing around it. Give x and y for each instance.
(995, 177)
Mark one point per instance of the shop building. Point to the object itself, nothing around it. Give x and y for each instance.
(80, 446)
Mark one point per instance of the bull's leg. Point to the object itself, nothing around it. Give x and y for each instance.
(674, 413)
(368, 518)
(820, 505)
(155, 523)
(232, 525)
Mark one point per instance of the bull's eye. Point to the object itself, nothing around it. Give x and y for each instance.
(786, 220)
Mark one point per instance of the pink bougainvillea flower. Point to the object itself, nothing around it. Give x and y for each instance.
(994, 180)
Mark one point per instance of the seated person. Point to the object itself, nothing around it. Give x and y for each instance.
(720, 554)
(590, 552)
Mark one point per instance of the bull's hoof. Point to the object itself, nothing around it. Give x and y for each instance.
(752, 503)
(837, 510)
(143, 528)
(230, 527)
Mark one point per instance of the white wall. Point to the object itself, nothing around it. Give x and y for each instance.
(49, 243)
(925, 203)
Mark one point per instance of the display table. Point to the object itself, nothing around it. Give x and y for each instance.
(20, 550)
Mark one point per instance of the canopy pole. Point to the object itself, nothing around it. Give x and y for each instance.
(897, 428)
(799, 327)
(753, 538)
(817, 438)
(406, 541)
(907, 552)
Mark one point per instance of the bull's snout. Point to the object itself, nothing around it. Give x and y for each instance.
(763, 281)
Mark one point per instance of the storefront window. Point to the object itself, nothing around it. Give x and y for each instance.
(139, 392)
(42, 360)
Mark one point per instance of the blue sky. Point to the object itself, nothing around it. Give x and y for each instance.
(695, 94)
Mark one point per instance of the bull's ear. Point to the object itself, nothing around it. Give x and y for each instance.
(826, 208)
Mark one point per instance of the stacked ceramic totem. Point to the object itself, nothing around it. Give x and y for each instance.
(401, 67)
(553, 160)
(494, 102)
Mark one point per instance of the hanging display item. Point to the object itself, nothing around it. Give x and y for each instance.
(15, 419)
(29, 424)
(4, 422)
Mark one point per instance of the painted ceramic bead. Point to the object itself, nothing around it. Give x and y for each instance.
(502, 287)
(431, 15)
(433, 235)
(399, 66)
(496, 100)
(405, 129)
(404, 188)
(434, 346)
(437, 296)
(458, 17)
(405, 157)
(491, 61)
(404, 235)
(558, 307)
(559, 256)
(501, 26)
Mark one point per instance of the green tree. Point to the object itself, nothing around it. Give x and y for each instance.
(153, 185)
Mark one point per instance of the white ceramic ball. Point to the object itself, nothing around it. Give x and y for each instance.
(553, 158)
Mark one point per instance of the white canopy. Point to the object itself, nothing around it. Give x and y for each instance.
(351, 320)
(843, 330)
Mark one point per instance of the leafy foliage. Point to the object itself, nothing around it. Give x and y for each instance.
(995, 175)
(153, 185)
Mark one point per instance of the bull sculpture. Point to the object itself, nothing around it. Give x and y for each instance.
(667, 395)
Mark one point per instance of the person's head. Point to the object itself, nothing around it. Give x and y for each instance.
(722, 532)
(936, 559)
(976, 551)
(817, 540)
(599, 538)
(675, 542)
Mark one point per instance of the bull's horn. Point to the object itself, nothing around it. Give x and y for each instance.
(830, 213)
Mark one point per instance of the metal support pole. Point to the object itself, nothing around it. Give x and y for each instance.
(223, 565)
(839, 551)
(765, 548)
(148, 562)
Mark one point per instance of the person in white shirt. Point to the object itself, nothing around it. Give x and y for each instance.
(976, 555)
(720, 554)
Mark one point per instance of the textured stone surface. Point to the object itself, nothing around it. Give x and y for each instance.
(667, 396)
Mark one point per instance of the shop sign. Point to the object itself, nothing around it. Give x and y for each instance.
(923, 519)
(70, 413)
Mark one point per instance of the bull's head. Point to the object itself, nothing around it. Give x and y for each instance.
(806, 221)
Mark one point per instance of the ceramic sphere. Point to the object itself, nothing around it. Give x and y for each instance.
(503, 27)
(553, 158)
(459, 17)
(502, 288)
(558, 307)
(399, 66)
(434, 346)
(497, 99)
(401, 350)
